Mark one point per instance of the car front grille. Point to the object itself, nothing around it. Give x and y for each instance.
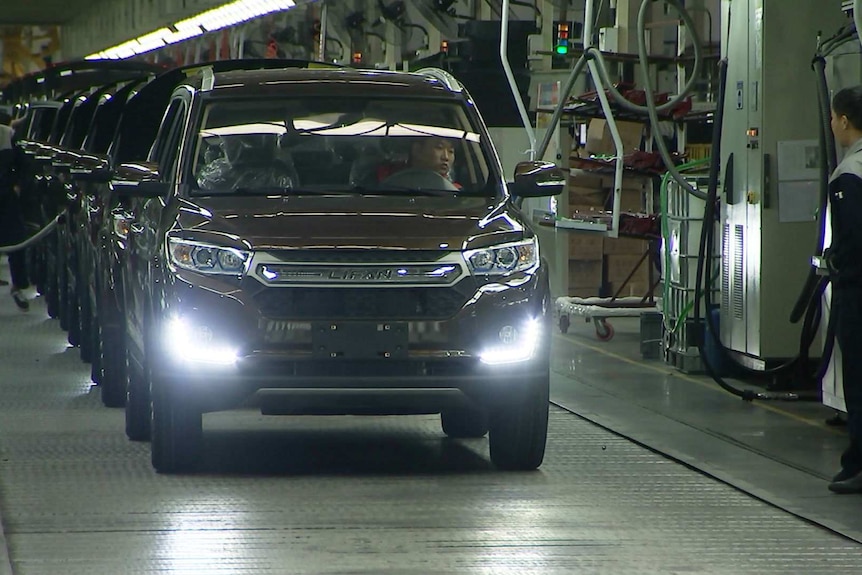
(358, 257)
(362, 303)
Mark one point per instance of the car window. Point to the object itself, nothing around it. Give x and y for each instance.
(165, 150)
(357, 145)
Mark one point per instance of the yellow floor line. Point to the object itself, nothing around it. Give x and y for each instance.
(707, 385)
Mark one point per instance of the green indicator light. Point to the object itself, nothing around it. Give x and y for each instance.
(562, 49)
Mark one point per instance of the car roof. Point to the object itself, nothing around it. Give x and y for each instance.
(299, 81)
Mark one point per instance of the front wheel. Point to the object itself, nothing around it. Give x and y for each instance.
(112, 359)
(137, 402)
(464, 422)
(177, 432)
(519, 427)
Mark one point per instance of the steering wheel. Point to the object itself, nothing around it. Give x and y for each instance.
(419, 178)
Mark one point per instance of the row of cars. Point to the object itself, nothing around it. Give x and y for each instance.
(297, 238)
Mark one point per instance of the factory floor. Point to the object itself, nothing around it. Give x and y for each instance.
(647, 470)
(782, 452)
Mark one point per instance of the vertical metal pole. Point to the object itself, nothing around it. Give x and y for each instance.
(857, 16)
(618, 145)
(504, 59)
(680, 84)
(609, 118)
(558, 111)
(321, 48)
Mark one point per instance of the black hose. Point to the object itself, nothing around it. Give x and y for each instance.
(34, 238)
(828, 162)
(810, 301)
(705, 254)
(704, 247)
(810, 295)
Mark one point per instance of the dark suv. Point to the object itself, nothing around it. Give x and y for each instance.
(319, 241)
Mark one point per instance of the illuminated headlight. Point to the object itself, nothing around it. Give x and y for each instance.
(503, 259)
(121, 227)
(515, 343)
(207, 258)
(190, 342)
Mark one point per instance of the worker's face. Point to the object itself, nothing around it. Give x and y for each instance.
(435, 154)
(841, 129)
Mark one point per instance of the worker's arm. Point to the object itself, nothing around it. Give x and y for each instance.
(846, 197)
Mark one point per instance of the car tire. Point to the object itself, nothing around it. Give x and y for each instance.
(96, 371)
(113, 364)
(62, 295)
(464, 423)
(52, 297)
(85, 327)
(137, 403)
(177, 432)
(73, 317)
(519, 427)
(51, 300)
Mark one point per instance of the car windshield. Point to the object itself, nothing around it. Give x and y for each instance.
(344, 145)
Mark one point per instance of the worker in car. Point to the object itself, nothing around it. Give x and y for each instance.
(435, 154)
(426, 154)
(845, 195)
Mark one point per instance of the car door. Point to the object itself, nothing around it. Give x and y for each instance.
(146, 231)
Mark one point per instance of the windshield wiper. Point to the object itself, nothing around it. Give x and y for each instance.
(287, 190)
(384, 190)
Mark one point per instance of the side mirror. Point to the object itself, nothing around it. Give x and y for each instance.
(99, 174)
(92, 168)
(537, 179)
(139, 180)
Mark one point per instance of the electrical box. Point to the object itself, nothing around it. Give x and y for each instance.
(768, 236)
(609, 39)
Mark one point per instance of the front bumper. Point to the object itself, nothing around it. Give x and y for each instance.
(351, 362)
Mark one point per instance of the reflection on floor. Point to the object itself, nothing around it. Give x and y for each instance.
(781, 452)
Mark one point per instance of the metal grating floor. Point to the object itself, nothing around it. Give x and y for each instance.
(355, 495)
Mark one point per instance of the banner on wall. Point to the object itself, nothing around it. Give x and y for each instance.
(26, 49)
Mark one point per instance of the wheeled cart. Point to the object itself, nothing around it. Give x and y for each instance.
(599, 309)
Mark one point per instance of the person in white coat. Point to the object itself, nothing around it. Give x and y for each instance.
(845, 257)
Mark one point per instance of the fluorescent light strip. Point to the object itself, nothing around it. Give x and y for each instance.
(209, 21)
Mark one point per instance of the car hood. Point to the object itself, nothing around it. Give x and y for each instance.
(340, 221)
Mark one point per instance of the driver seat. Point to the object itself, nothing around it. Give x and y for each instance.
(257, 166)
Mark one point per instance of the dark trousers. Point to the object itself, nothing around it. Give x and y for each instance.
(849, 333)
(18, 270)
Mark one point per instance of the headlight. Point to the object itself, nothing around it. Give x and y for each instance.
(121, 227)
(503, 259)
(207, 258)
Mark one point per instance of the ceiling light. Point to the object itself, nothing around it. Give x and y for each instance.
(209, 21)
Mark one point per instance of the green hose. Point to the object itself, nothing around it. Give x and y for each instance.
(665, 234)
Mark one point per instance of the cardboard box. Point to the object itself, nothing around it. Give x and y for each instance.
(624, 246)
(586, 274)
(632, 289)
(583, 292)
(585, 246)
(601, 143)
(618, 268)
(584, 179)
(632, 194)
(595, 197)
(631, 200)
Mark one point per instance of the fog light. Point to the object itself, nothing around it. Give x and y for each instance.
(515, 344)
(190, 342)
(508, 335)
